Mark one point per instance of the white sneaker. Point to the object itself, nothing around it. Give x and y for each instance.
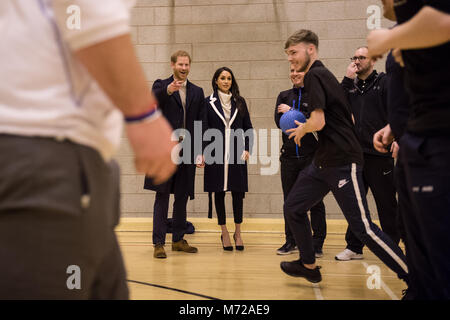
(348, 255)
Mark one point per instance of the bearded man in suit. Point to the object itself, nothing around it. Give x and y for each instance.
(182, 103)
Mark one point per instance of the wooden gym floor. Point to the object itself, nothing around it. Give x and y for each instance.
(253, 274)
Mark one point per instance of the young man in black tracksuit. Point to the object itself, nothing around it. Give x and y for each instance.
(367, 93)
(294, 159)
(336, 167)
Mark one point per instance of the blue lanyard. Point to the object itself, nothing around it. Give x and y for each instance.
(299, 98)
(298, 108)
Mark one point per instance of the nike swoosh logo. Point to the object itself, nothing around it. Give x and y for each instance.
(386, 173)
(342, 183)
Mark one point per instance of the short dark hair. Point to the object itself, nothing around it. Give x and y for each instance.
(179, 53)
(302, 35)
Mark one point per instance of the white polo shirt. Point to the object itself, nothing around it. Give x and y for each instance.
(44, 90)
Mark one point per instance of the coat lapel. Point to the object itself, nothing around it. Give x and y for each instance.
(214, 102)
(218, 104)
(176, 94)
(177, 97)
(234, 111)
(189, 95)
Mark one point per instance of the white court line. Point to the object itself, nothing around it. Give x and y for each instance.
(317, 291)
(383, 285)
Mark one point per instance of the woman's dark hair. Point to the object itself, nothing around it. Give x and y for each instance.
(240, 102)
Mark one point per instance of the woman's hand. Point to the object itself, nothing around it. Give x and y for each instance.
(200, 161)
(245, 155)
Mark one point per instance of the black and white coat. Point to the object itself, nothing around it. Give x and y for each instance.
(231, 174)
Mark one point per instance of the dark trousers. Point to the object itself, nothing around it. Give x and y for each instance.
(238, 203)
(160, 212)
(378, 175)
(413, 248)
(59, 204)
(290, 168)
(346, 184)
(425, 163)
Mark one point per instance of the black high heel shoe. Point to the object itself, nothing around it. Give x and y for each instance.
(229, 248)
(239, 248)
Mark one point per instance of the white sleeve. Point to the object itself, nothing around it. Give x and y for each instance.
(98, 20)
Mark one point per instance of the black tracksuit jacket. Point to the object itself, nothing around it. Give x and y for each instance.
(368, 101)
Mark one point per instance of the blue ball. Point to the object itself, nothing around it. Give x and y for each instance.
(287, 120)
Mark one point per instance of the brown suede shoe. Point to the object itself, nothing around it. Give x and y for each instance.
(182, 245)
(159, 251)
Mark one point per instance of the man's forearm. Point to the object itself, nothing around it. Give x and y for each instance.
(428, 28)
(114, 65)
(316, 121)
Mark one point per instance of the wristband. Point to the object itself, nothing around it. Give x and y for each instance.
(145, 117)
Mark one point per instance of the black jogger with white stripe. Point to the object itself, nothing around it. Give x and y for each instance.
(347, 186)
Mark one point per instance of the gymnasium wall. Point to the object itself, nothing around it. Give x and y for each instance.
(247, 36)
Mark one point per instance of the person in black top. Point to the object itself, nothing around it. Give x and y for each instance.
(336, 167)
(294, 159)
(367, 93)
(425, 146)
(398, 112)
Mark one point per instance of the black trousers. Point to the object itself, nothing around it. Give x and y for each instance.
(238, 204)
(290, 168)
(59, 204)
(378, 175)
(425, 168)
(406, 206)
(346, 184)
(160, 212)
